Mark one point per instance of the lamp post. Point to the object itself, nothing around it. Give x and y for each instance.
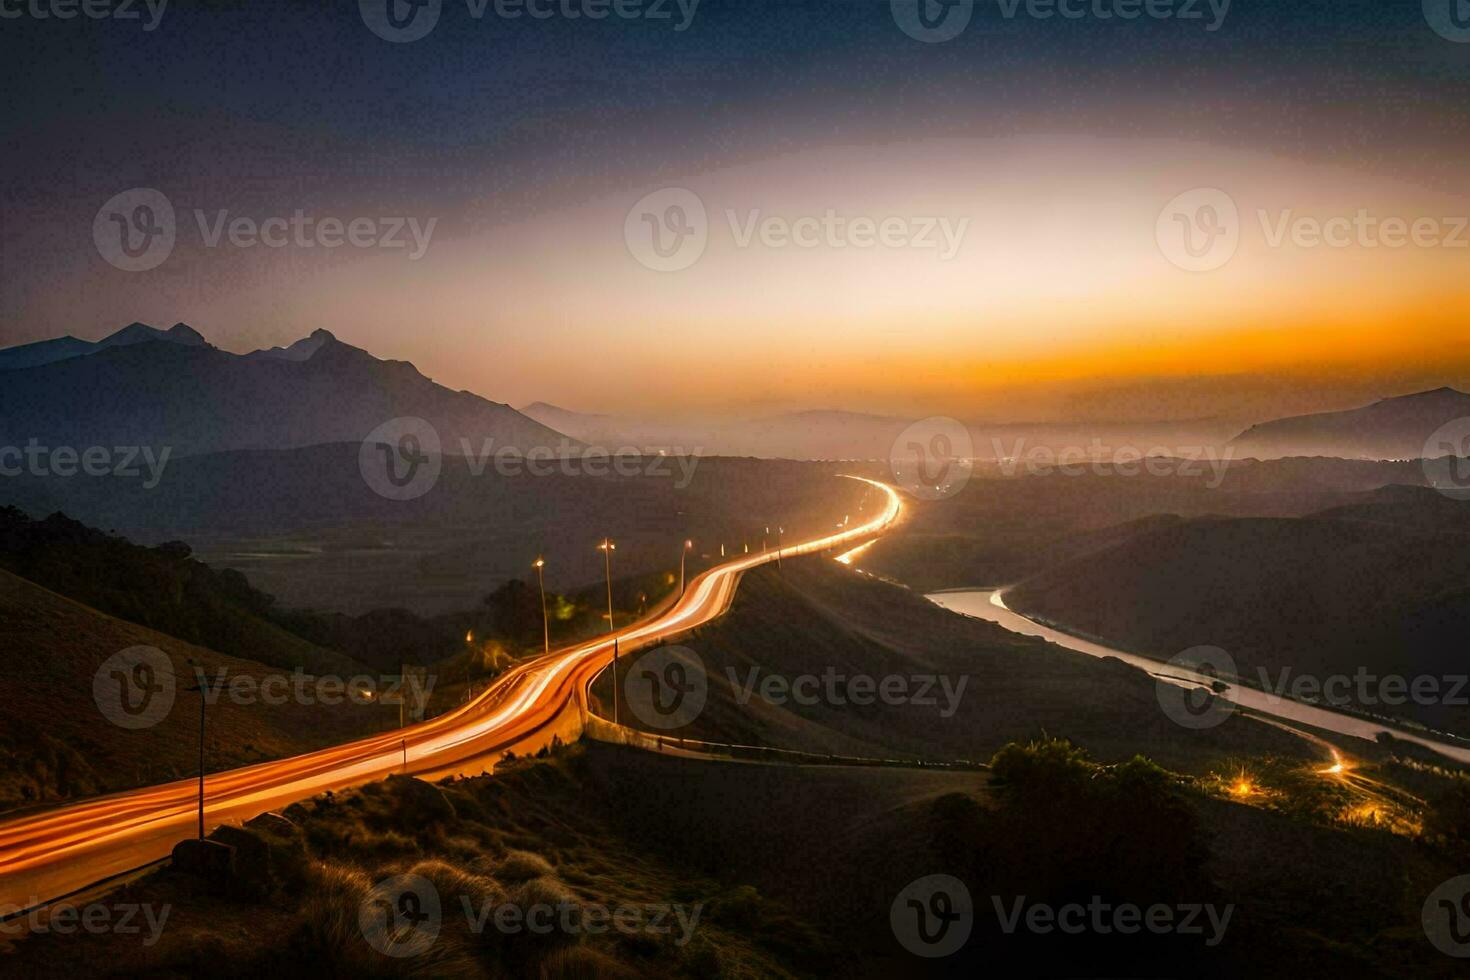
(607, 548)
(682, 552)
(779, 529)
(545, 622)
(202, 701)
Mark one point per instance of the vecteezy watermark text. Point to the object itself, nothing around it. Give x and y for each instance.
(840, 689)
(934, 21)
(403, 458)
(1101, 459)
(67, 461)
(90, 9)
(402, 917)
(1102, 918)
(137, 230)
(95, 919)
(402, 21)
(669, 230)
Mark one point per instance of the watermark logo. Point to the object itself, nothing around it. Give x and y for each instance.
(933, 916)
(667, 687)
(932, 21)
(135, 230)
(1199, 230)
(1185, 699)
(400, 21)
(400, 459)
(135, 688)
(1449, 18)
(1446, 917)
(931, 459)
(401, 916)
(667, 230)
(1446, 467)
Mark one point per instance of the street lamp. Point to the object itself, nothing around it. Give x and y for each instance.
(607, 548)
(545, 623)
(687, 545)
(779, 529)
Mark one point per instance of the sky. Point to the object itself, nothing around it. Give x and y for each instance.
(740, 207)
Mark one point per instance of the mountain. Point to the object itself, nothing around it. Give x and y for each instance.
(1393, 428)
(65, 348)
(189, 397)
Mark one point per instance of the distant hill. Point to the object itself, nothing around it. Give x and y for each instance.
(193, 398)
(64, 348)
(162, 588)
(1383, 584)
(1393, 428)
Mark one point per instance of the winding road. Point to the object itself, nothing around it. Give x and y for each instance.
(53, 853)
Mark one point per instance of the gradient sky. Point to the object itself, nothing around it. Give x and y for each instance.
(1059, 142)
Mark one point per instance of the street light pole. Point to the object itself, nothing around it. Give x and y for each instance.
(545, 622)
(684, 551)
(779, 529)
(607, 548)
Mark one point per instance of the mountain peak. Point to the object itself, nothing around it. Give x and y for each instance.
(182, 333)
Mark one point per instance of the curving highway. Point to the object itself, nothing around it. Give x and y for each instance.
(46, 855)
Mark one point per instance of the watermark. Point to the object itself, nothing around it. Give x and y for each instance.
(1450, 19)
(135, 688)
(1445, 462)
(142, 919)
(147, 12)
(403, 458)
(403, 21)
(667, 687)
(933, 916)
(937, 691)
(137, 230)
(935, 21)
(126, 462)
(669, 230)
(932, 458)
(1189, 686)
(1446, 917)
(1367, 689)
(402, 917)
(299, 687)
(1103, 918)
(1200, 230)
(1100, 459)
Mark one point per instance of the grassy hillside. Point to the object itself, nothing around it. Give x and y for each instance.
(793, 873)
(56, 744)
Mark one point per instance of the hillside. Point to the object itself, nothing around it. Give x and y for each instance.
(193, 398)
(814, 615)
(162, 588)
(55, 743)
(1380, 584)
(1393, 428)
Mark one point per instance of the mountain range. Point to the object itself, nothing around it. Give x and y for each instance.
(147, 387)
(1391, 428)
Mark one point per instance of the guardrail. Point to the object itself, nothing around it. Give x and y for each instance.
(601, 730)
